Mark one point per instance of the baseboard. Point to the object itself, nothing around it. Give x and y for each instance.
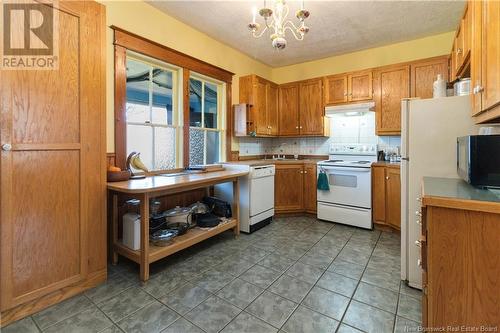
(29, 308)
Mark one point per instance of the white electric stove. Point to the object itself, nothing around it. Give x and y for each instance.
(349, 199)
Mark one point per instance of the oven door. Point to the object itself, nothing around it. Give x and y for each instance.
(348, 186)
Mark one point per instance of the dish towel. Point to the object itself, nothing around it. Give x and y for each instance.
(323, 181)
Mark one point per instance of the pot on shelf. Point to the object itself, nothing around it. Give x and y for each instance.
(179, 215)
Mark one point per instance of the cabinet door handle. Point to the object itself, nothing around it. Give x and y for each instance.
(478, 89)
(459, 51)
(296, 127)
(387, 177)
(345, 94)
(6, 147)
(300, 127)
(305, 171)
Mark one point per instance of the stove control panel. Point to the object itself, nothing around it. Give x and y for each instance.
(353, 149)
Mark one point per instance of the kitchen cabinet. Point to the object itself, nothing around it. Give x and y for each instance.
(386, 195)
(53, 167)
(262, 97)
(485, 60)
(459, 255)
(289, 109)
(288, 188)
(423, 74)
(391, 84)
(310, 191)
(301, 110)
(462, 45)
(347, 88)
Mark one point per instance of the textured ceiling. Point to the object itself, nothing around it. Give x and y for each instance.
(337, 27)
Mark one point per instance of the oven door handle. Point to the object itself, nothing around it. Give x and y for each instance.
(358, 170)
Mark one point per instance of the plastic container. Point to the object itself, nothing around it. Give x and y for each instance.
(439, 87)
(132, 231)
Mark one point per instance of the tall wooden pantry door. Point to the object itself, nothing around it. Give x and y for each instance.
(52, 138)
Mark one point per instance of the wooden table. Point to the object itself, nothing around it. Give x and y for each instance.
(156, 186)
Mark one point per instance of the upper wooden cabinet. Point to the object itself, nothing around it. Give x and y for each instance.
(346, 88)
(311, 109)
(424, 73)
(289, 109)
(391, 84)
(485, 62)
(262, 97)
(462, 45)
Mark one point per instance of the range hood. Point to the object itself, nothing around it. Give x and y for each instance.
(350, 109)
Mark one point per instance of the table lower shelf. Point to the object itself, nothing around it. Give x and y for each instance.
(179, 243)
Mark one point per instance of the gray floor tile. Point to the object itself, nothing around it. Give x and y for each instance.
(406, 290)
(292, 252)
(343, 328)
(385, 264)
(354, 256)
(151, 318)
(181, 325)
(260, 276)
(378, 297)
(114, 285)
(213, 280)
(305, 273)
(61, 311)
(272, 308)
(240, 293)
(213, 314)
(253, 254)
(277, 262)
(185, 298)
(26, 325)
(348, 269)
(326, 302)
(410, 308)
(246, 323)
(305, 320)
(163, 283)
(368, 319)
(112, 329)
(90, 320)
(404, 325)
(127, 302)
(235, 265)
(382, 279)
(316, 260)
(291, 288)
(338, 283)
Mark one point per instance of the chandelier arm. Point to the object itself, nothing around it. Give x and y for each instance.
(293, 30)
(258, 35)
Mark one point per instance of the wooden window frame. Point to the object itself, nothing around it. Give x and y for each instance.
(123, 41)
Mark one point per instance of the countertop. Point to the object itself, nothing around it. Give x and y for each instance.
(271, 161)
(387, 164)
(456, 193)
(174, 183)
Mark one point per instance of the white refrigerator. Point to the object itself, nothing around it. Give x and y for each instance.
(429, 131)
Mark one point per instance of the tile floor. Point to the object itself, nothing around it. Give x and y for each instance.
(296, 275)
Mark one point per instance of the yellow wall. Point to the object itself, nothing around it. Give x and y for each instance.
(405, 51)
(146, 21)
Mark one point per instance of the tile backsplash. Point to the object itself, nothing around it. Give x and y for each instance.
(344, 129)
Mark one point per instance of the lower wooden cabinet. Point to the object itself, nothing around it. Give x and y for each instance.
(386, 194)
(295, 188)
(460, 262)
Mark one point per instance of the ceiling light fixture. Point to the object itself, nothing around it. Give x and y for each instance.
(279, 23)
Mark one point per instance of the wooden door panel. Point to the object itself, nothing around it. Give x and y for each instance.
(49, 113)
(476, 10)
(311, 108)
(310, 191)
(272, 108)
(336, 89)
(259, 110)
(423, 75)
(392, 85)
(288, 110)
(288, 188)
(46, 226)
(360, 87)
(378, 194)
(393, 197)
(491, 54)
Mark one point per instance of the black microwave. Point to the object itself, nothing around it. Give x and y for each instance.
(478, 160)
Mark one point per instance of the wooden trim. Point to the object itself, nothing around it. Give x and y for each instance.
(229, 121)
(185, 116)
(463, 204)
(120, 102)
(148, 47)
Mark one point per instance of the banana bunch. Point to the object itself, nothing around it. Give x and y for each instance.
(134, 160)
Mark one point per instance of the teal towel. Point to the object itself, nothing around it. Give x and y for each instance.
(323, 182)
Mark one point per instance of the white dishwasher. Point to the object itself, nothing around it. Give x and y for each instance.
(256, 197)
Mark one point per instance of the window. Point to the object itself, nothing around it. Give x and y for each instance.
(206, 120)
(151, 111)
